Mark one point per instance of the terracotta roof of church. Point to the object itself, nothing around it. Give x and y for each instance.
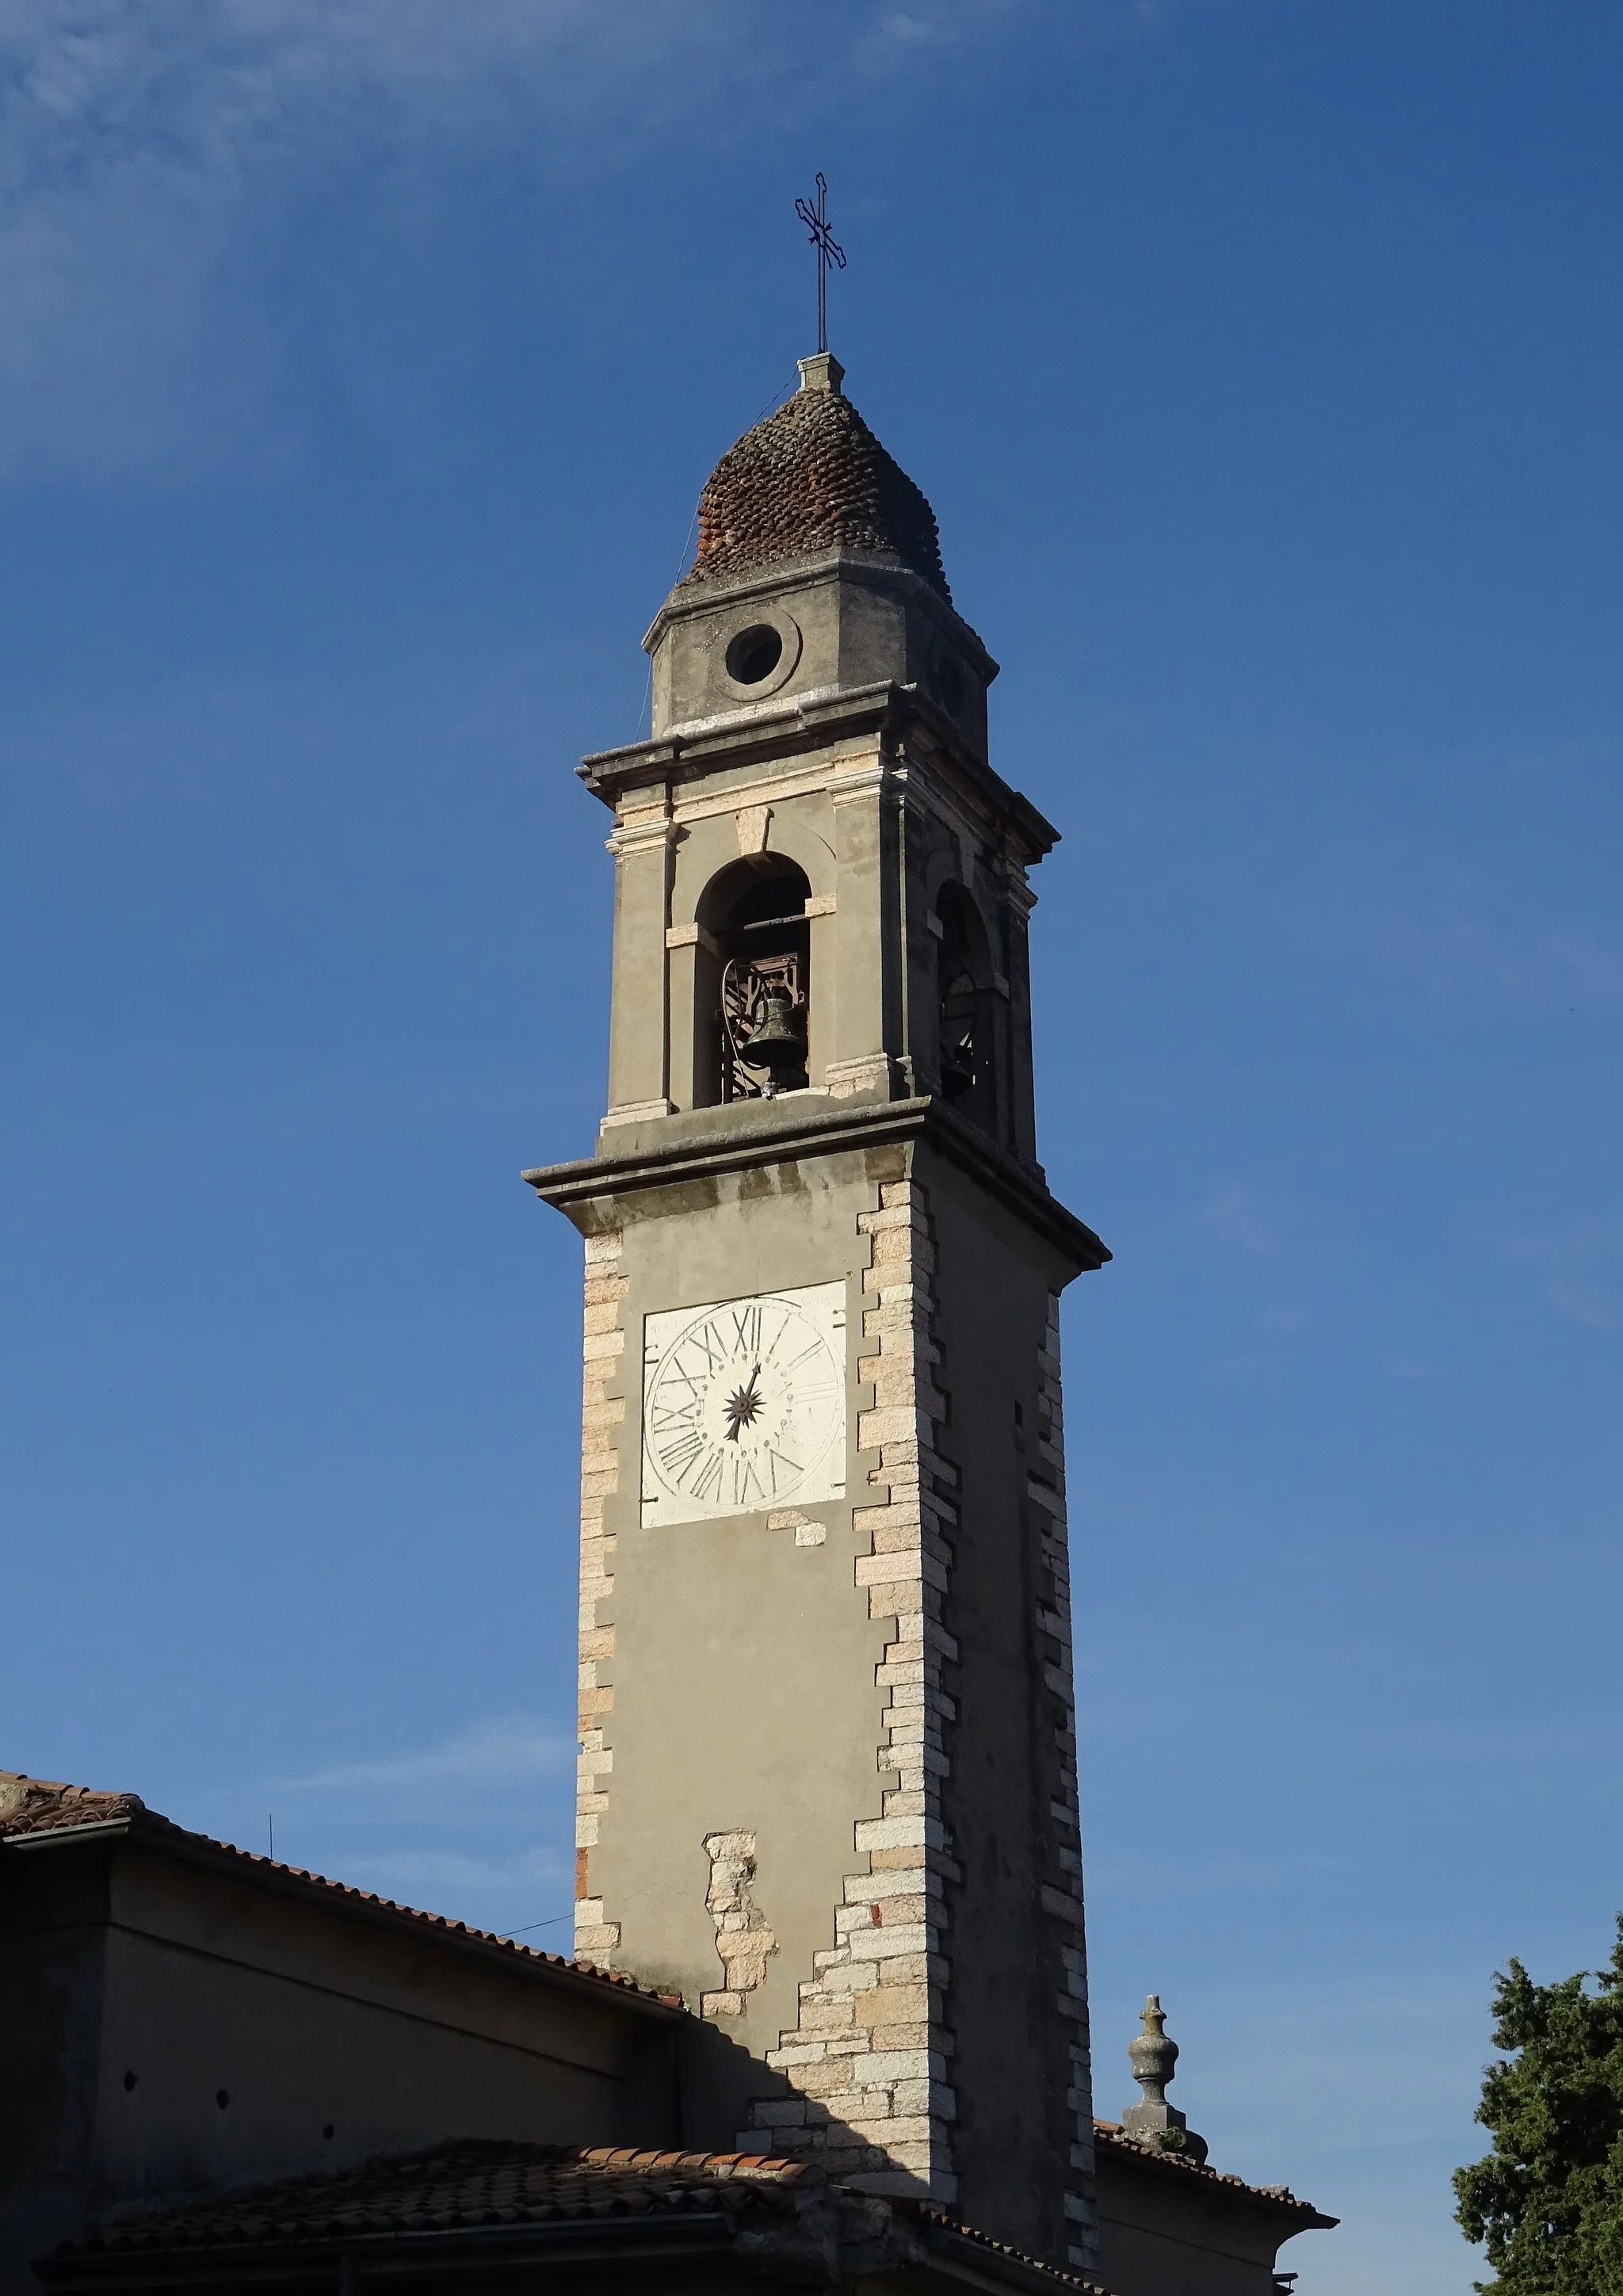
(463, 2185)
(32, 1807)
(475, 2186)
(813, 477)
(43, 1805)
(1111, 2135)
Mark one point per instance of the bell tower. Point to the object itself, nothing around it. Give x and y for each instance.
(828, 1784)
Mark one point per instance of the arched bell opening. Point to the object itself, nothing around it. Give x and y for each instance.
(964, 1043)
(756, 983)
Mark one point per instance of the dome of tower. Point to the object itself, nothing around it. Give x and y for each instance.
(813, 477)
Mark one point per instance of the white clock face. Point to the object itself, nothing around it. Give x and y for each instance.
(743, 1405)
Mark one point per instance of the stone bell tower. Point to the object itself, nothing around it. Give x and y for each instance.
(827, 1784)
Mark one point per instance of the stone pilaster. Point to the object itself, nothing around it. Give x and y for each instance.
(600, 1417)
(1062, 1893)
(869, 2058)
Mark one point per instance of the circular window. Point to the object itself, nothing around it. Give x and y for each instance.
(754, 654)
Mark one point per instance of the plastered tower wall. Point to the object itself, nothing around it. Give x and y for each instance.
(828, 1775)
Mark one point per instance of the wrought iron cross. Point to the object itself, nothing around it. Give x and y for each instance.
(829, 251)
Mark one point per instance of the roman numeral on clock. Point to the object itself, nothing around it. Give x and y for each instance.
(680, 1455)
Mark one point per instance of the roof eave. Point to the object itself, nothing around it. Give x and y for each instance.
(985, 2264)
(1134, 2156)
(162, 1834)
(409, 2249)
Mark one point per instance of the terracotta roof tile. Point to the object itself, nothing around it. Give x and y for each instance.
(811, 478)
(475, 2186)
(30, 1808)
(40, 1805)
(466, 2185)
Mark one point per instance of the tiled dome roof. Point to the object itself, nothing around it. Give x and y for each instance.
(813, 477)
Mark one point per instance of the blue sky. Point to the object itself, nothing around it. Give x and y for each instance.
(364, 359)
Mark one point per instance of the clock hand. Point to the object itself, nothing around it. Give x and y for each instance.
(742, 1406)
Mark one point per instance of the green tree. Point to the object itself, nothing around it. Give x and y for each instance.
(1548, 2200)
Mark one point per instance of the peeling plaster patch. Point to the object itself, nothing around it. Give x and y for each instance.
(743, 1940)
(806, 1532)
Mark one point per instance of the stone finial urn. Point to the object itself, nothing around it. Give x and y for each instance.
(1153, 2056)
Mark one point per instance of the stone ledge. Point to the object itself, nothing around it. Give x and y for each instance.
(706, 1143)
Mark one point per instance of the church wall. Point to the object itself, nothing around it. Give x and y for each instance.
(206, 1977)
(1155, 2240)
(847, 621)
(728, 1665)
(794, 1722)
(1017, 2006)
(869, 2056)
(690, 681)
(52, 1945)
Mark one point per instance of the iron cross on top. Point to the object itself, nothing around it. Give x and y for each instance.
(829, 251)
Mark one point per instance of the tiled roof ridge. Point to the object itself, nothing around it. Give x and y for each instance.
(811, 477)
(51, 1808)
(429, 2190)
(35, 1805)
(1112, 2133)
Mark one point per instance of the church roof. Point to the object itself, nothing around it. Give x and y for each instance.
(495, 2186)
(42, 1809)
(813, 477)
(43, 1805)
(463, 2185)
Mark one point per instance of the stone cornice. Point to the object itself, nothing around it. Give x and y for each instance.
(887, 711)
(733, 1141)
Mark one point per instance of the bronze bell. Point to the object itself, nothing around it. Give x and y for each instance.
(776, 1042)
(958, 1065)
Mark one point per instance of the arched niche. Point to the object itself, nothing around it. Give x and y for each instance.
(753, 970)
(965, 1034)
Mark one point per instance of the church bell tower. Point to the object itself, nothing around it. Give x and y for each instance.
(828, 1782)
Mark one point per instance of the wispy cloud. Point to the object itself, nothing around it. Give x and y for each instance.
(434, 1878)
(1237, 1216)
(475, 1825)
(1582, 1267)
(137, 135)
(511, 1750)
(1449, 936)
(142, 142)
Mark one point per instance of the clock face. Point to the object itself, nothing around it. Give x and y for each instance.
(743, 1405)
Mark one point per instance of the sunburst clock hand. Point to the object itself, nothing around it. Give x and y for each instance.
(742, 1406)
